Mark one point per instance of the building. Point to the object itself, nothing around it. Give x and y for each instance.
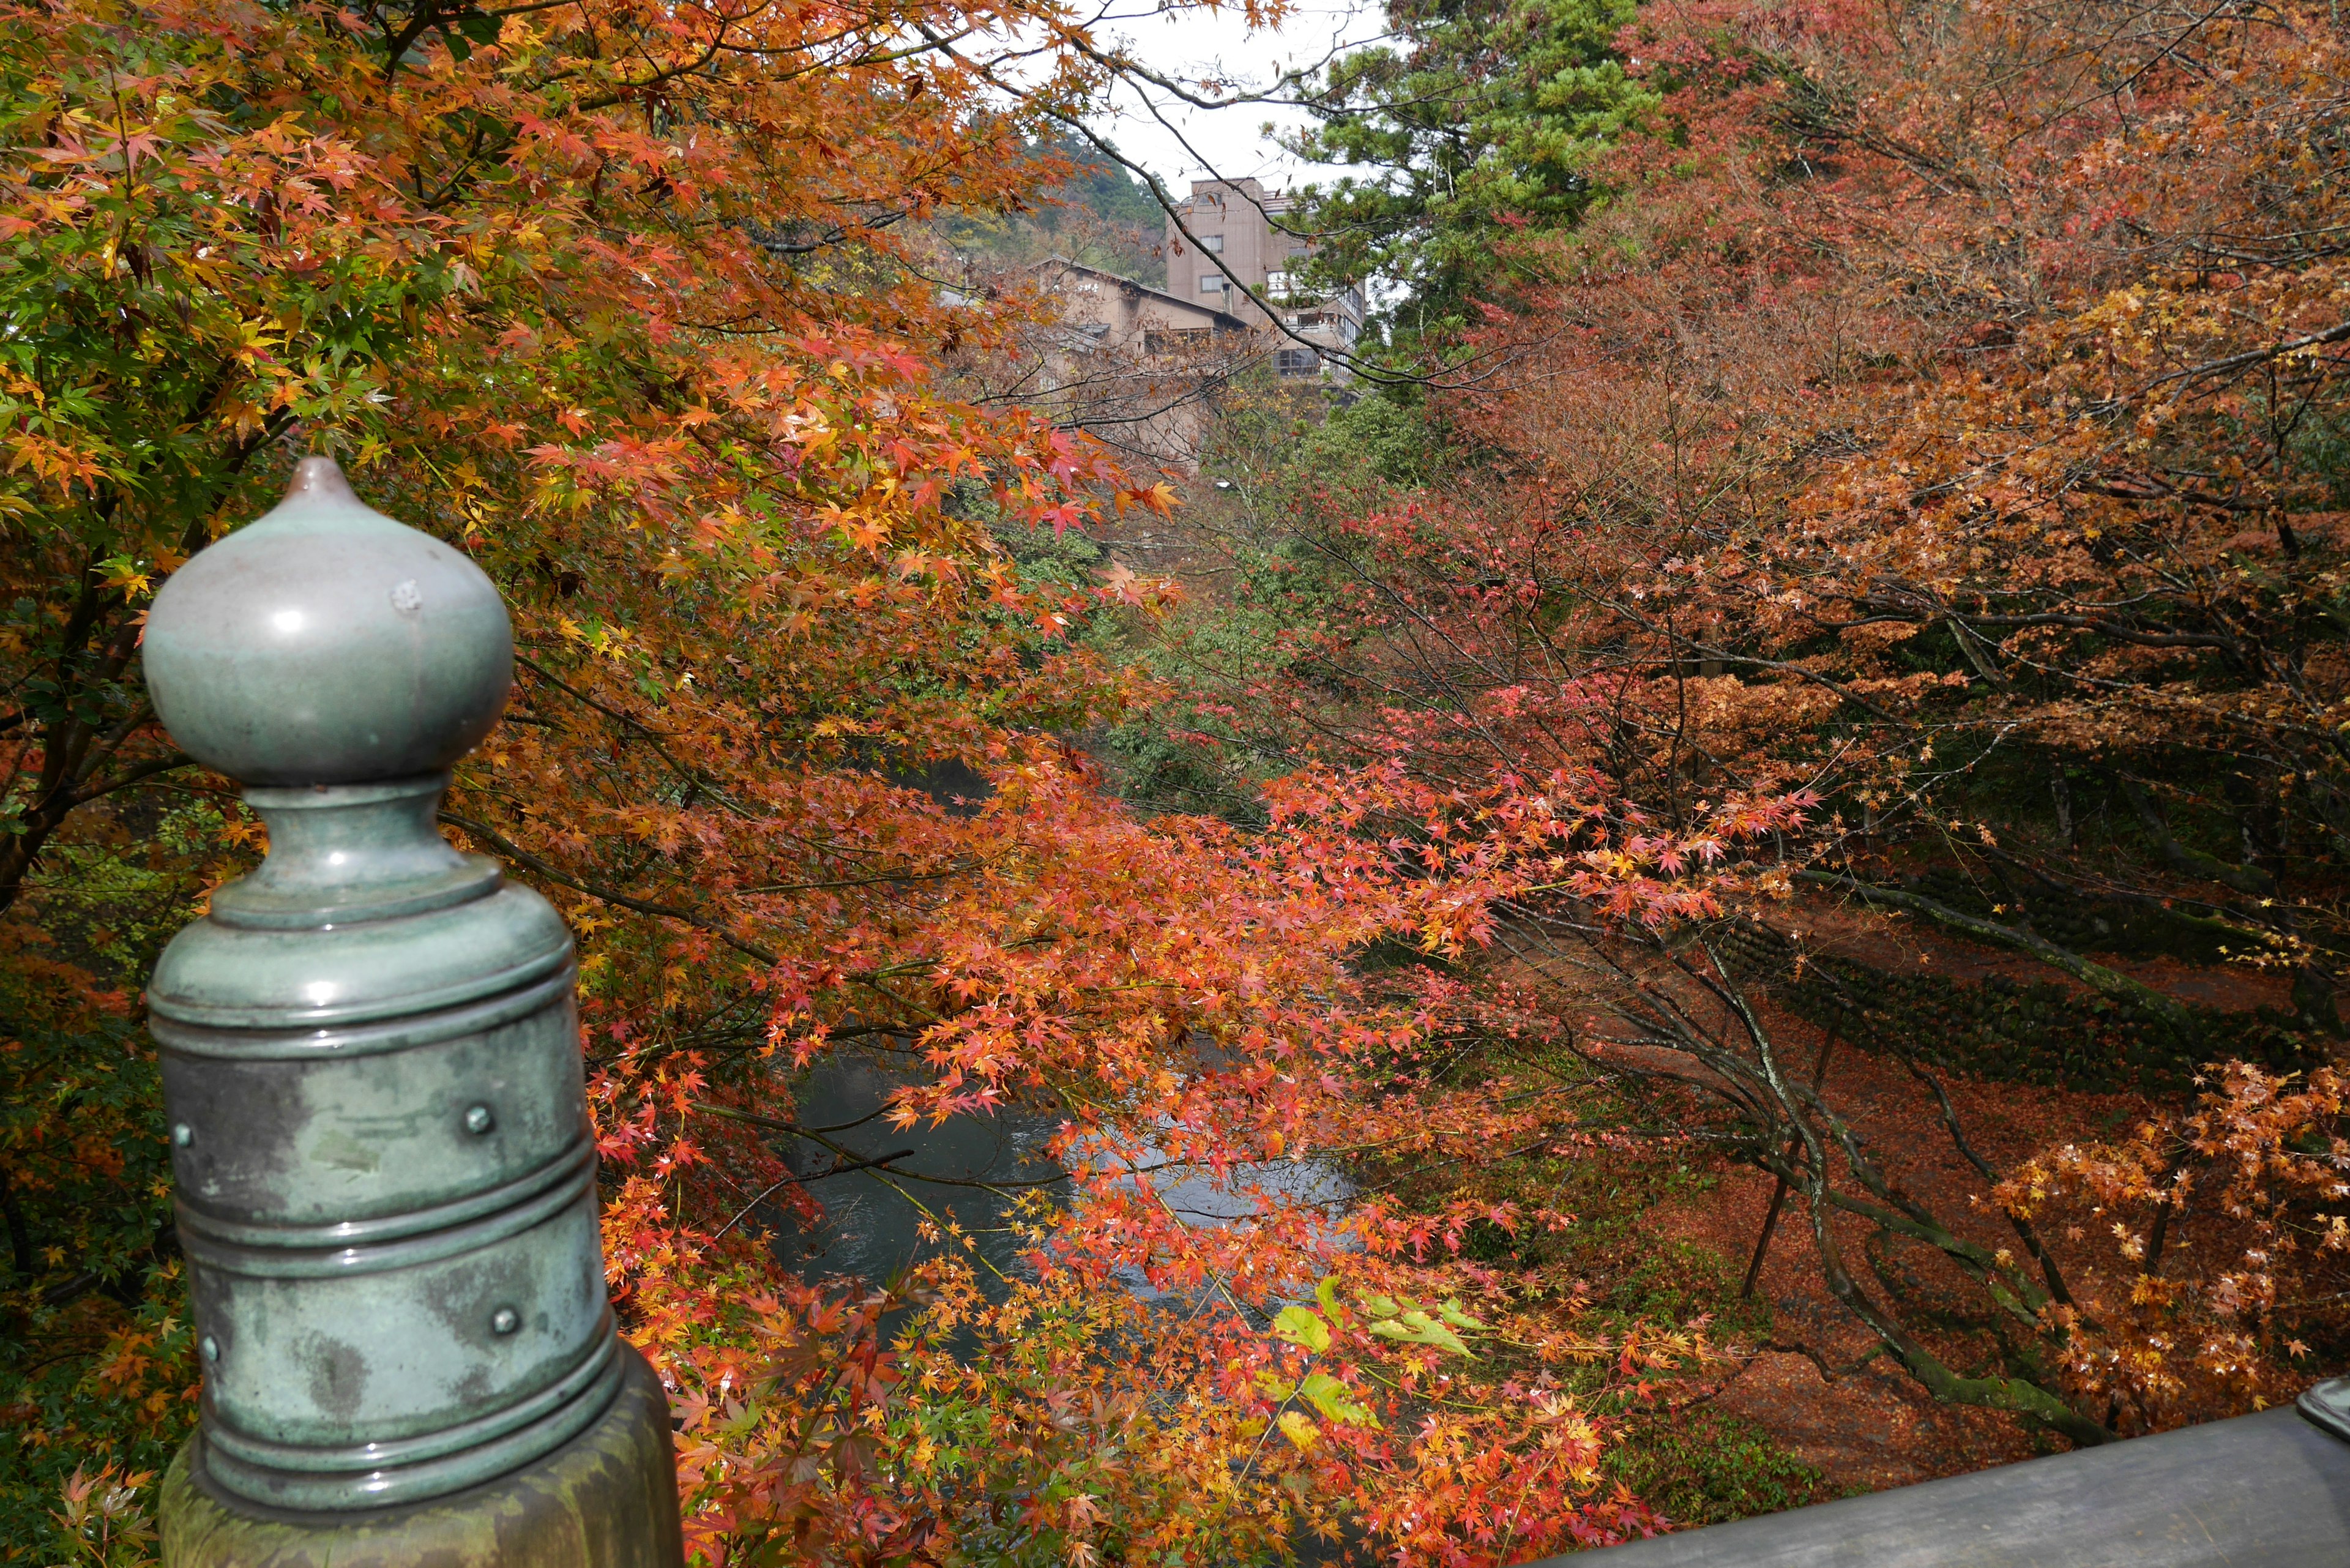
(1130, 365)
(1120, 312)
(1233, 222)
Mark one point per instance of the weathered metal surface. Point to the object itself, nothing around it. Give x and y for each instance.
(2328, 1404)
(2271, 1489)
(386, 1173)
(605, 1499)
(326, 643)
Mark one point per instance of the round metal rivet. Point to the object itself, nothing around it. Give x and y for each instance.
(505, 1320)
(480, 1119)
(182, 1133)
(212, 1348)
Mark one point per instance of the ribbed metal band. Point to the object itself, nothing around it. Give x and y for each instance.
(263, 1251)
(260, 1021)
(359, 1457)
(194, 1037)
(315, 1252)
(381, 1475)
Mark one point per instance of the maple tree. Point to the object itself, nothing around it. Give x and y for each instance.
(1890, 480)
(2149, 1347)
(1938, 418)
(625, 301)
(1986, 525)
(233, 230)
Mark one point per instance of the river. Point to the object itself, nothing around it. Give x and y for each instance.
(871, 1227)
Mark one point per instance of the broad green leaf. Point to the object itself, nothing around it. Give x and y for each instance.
(1334, 1400)
(1302, 1326)
(1416, 1327)
(1451, 1311)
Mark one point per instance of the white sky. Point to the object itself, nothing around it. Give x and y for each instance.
(1197, 45)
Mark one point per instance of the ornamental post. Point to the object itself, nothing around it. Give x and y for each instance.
(385, 1171)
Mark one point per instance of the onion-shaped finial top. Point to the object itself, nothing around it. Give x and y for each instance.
(326, 644)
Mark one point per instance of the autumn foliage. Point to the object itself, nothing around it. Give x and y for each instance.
(1939, 417)
(1933, 423)
(1896, 475)
(620, 299)
(2224, 1332)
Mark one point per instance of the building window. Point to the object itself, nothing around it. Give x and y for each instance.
(1297, 361)
(1214, 244)
(1213, 283)
(1276, 284)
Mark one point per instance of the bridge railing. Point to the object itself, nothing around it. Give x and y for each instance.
(2270, 1490)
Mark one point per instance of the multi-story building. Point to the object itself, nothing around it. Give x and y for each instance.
(1232, 221)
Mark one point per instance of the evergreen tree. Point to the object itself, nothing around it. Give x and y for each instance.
(1477, 126)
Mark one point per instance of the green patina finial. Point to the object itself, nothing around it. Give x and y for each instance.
(385, 1169)
(326, 644)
